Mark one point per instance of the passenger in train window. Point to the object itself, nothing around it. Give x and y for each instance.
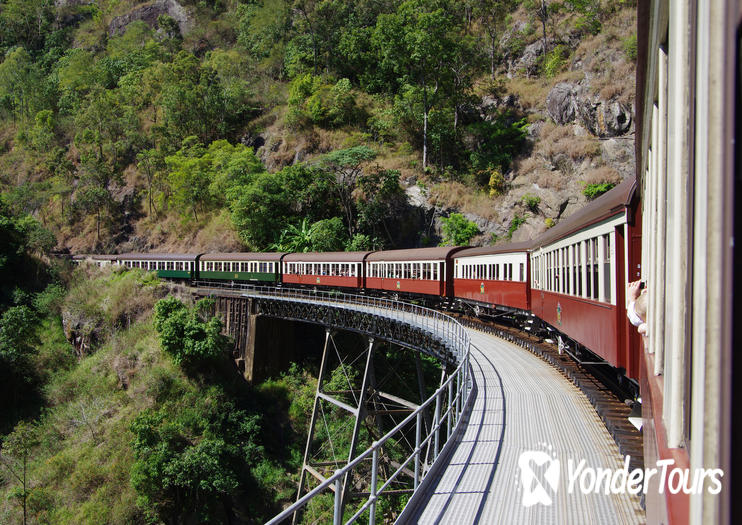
(637, 308)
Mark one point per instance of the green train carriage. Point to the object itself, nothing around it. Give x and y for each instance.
(166, 265)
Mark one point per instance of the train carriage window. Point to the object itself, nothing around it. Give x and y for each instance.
(595, 268)
(607, 267)
(567, 271)
(521, 274)
(592, 256)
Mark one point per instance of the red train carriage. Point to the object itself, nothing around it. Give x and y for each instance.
(493, 275)
(426, 271)
(344, 269)
(579, 273)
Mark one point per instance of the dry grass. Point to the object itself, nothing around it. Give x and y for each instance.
(602, 174)
(461, 197)
(528, 165)
(555, 140)
(531, 92)
(554, 180)
(617, 83)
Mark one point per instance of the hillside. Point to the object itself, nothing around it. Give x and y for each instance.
(227, 125)
(115, 429)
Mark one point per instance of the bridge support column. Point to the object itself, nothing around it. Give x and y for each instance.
(263, 346)
(359, 411)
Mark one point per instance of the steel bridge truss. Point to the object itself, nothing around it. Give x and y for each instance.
(352, 382)
(396, 461)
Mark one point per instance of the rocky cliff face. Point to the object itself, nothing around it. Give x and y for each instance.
(150, 13)
(581, 131)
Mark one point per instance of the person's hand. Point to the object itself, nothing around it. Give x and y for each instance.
(634, 291)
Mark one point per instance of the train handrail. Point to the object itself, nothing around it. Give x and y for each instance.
(449, 407)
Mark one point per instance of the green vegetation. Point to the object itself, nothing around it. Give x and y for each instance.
(457, 230)
(132, 433)
(531, 202)
(591, 191)
(629, 47)
(142, 129)
(516, 223)
(555, 60)
(189, 335)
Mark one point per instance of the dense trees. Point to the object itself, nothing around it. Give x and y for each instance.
(91, 113)
(192, 461)
(190, 335)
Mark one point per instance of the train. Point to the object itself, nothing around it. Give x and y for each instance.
(570, 280)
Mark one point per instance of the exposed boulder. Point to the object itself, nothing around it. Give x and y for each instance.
(605, 119)
(149, 13)
(491, 105)
(562, 103)
(529, 60)
(618, 153)
(566, 102)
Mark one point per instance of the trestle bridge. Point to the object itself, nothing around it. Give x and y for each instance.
(450, 453)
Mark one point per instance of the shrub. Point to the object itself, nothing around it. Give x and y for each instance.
(187, 336)
(515, 224)
(549, 222)
(50, 300)
(531, 202)
(496, 142)
(555, 60)
(591, 191)
(496, 183)
(457, 230)
(312, 101)
(630, 47)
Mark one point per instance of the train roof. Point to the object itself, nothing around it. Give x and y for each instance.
(491, 250)
(243, 256)
(607, 205)
(158, 256)
(95, 257)
(438, 253)
(341, 257)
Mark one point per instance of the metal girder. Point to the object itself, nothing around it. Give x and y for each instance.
(379, 327)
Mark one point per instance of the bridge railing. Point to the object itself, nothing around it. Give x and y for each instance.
(449, 402)
(439, 324)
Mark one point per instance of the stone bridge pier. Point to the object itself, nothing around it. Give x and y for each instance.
(278, 342)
